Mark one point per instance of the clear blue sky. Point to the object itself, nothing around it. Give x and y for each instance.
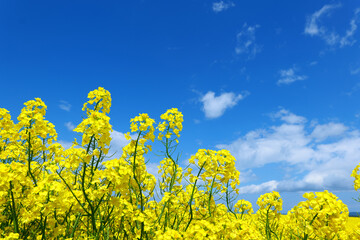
(276, 83)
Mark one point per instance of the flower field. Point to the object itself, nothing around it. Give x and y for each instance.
(353, 222)
(49, 192)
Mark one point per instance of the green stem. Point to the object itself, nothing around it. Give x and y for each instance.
(192, 197)
(75, 225)
(43, 227)
(210, 195)
(228, 201)
(16, 225)
(93, 222)
(30, 158)
(139, 185)
(73, 193)
(311, 222)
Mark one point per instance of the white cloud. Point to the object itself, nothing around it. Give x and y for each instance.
(314, 27)
(318, 156)
(152, 168)
(322, 132)
(118, 141)
(65, 144)
(348, 38)
(288, 76)
(246, 41)
(247, 176)
(215, 107)
(221, 6)
(288, 117)
(70, 125)
(64, 105)
(263, 187)
(317, 180)
(284, 143)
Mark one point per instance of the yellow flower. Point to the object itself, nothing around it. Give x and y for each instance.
(127, 136)
(356, 175)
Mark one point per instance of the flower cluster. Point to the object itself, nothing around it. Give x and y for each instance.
(217, 169)
(172, 124)
(322, 215)
(96, 126)
(356, 174)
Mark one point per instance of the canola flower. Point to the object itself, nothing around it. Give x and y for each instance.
(48, 192)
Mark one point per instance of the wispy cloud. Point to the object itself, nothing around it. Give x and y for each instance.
(70, 125)
(353, 90)
(221, 6)
(320, 156)
(355, 71)
(215, 106)
(246, 41)
(314, 27)
(288, 76)
(348, 38)
(64, 105)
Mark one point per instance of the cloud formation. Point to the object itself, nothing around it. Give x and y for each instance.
(263, 187)
(314, 27)
(221, 6)
(245, 41)
(215, 107)
(288, 117)
(316, 156)
(288, 76)
(322, 132)
(64, 105)
(70, 126)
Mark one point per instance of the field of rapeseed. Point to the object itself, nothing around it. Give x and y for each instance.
(48, 192)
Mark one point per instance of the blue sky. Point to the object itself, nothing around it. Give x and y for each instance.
(276, 83)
